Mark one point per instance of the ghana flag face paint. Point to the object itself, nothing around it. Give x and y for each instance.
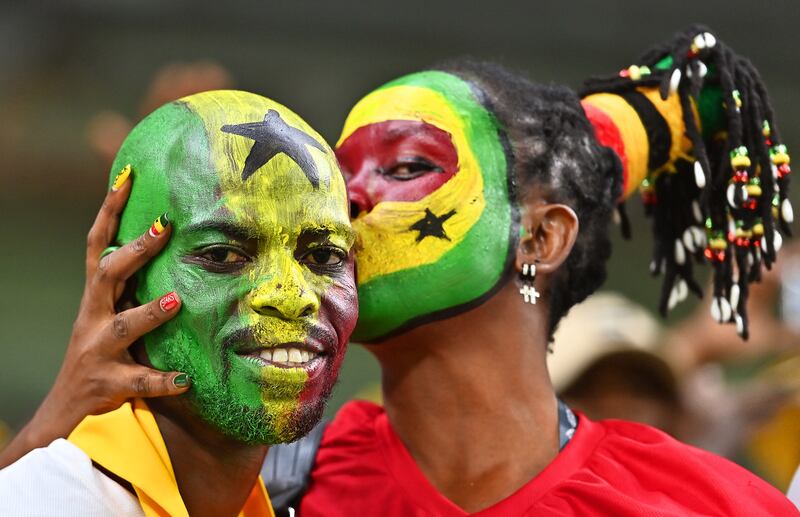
(259, 256)
(428, 178)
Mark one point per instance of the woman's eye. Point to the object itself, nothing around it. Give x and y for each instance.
(328, 257)
(410, 168)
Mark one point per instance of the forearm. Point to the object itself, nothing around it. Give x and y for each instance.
(52, 420)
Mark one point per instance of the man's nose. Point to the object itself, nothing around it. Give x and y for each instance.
(286, 296)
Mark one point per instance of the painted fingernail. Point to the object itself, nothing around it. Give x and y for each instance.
(168, 302)
(159, 225)
(181, 380)
(121, 178)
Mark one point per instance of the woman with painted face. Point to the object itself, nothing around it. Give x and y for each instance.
(482, 203)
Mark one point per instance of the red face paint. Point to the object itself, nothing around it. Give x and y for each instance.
(396, 160)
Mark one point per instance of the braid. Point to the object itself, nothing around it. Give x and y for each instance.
(557, 155)
(735, 183)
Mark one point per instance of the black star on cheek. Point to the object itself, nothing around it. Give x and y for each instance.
(431, 225)
(273, 136)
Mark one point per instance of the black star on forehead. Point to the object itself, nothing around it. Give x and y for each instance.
(431, 225)
(273, 136)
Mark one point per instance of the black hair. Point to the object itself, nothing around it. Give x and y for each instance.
(556, 153)
(735, 185)
(705, 207)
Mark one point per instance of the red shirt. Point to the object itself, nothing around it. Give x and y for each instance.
(609, 467)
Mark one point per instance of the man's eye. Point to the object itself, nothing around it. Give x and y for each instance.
(410, 168)
(224, 255)
(326, 257)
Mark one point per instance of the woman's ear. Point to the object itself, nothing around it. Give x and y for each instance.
(549, 232)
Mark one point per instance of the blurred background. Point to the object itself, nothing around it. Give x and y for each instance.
(74, 77)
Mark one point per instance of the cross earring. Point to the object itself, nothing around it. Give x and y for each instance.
(528, 291)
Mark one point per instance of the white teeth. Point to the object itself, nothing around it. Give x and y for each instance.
(295, 356)
(266, 355)
(280, 355)
(305, 355)
(739, 325)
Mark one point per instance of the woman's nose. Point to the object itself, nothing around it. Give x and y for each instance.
(357, 191)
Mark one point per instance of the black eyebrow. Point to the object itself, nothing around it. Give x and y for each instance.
(326, 229)
(231, 230)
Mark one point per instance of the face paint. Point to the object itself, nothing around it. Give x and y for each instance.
(429, 177)
(259, 256)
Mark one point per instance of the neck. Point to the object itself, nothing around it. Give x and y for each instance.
(215, 473)
(467, 394)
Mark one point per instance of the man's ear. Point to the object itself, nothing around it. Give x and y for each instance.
(549, 232)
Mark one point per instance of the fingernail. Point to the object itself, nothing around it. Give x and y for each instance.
(159, 225)
(121, 178)
(169, 301)
(181, 380)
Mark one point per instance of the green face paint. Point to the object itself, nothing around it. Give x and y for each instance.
(259, 256)
(435, 242)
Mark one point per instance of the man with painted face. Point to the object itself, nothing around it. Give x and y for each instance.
(482, 202)
(259, 259)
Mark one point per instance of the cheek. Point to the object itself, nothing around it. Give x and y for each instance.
(411, 190)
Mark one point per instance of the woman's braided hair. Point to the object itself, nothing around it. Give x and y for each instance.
(718, 206)
(722, 205)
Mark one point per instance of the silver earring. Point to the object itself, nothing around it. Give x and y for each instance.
(528, 291)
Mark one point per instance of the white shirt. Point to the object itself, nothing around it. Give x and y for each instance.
(61, 480)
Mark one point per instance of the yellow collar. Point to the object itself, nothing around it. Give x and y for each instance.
(128, 443)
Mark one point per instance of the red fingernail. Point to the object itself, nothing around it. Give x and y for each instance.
(168, 302)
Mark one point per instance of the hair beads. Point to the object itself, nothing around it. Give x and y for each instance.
(726, 203)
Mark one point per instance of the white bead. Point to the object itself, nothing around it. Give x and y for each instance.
(731, 194)
(699, 175)
(688, 240)
(777, 241)
(699, 236)
(674, 81)
(787, 212)
(673, 299)
(682, 289)
(699, 41)
(716, 315)
(702, 69)
(680, 253)
(725, 309)
(711, 41)
(735, 294)
(698, 214)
